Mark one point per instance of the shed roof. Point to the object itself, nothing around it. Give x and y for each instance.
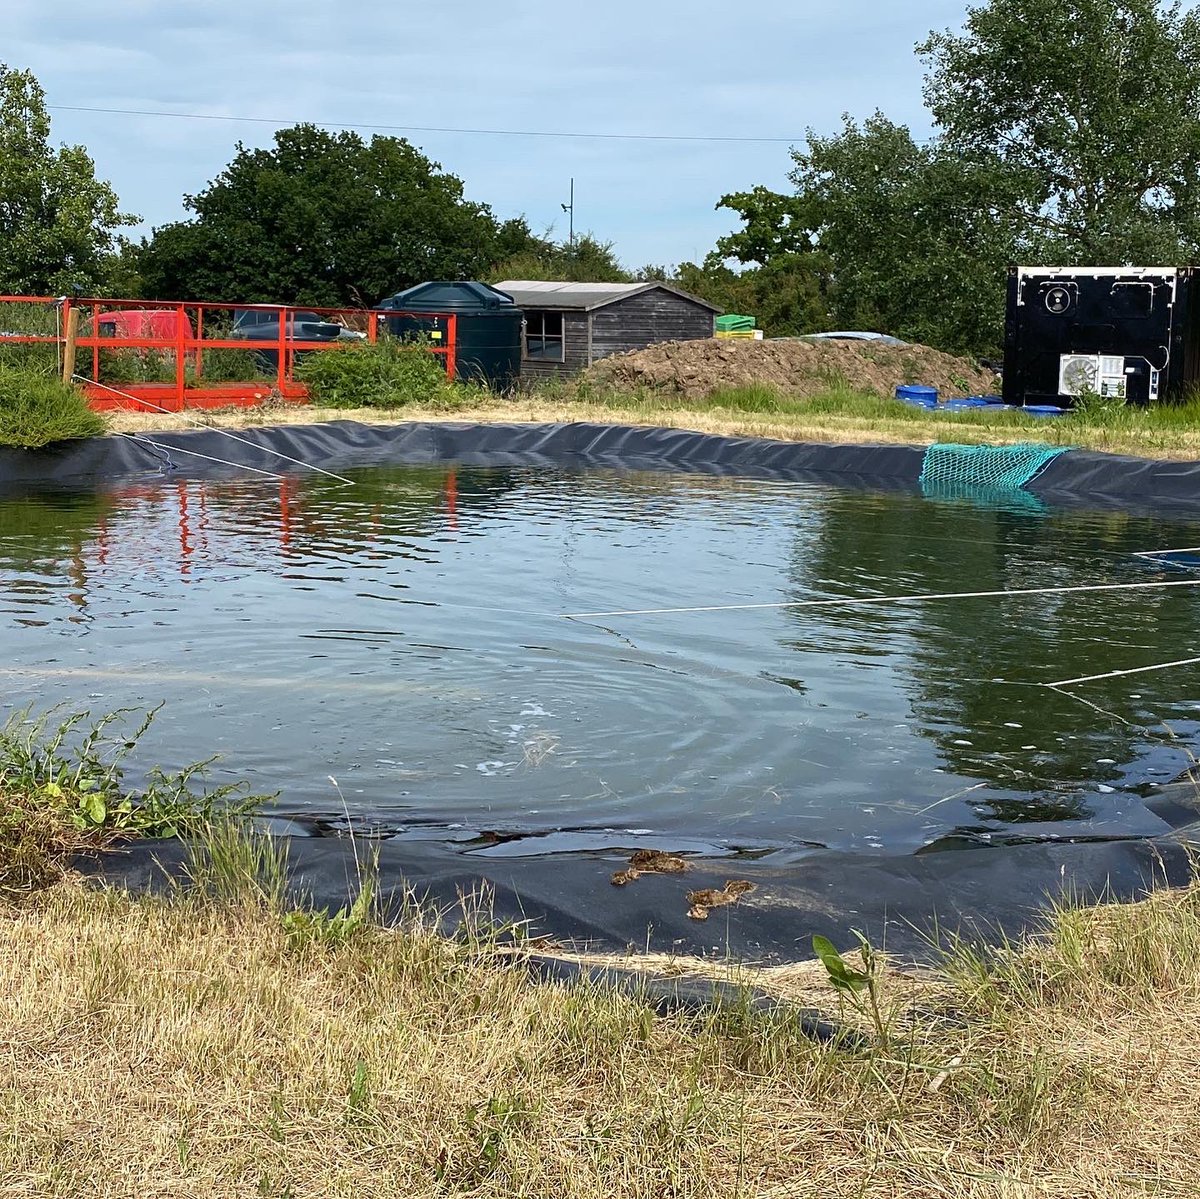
(533, 293)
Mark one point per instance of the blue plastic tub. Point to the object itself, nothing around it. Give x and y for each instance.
(914, 393)
(1044, 410)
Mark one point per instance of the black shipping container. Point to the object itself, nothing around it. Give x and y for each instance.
(1130, 333)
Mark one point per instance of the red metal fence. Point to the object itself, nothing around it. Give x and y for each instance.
(160, 356)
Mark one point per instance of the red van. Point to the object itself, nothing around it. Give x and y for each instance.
(161, 324)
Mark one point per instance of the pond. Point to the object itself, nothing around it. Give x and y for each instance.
(412, 653)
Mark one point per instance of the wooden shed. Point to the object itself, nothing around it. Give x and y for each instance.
(568, 326)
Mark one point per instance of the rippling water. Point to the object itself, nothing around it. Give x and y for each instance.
(408, 636)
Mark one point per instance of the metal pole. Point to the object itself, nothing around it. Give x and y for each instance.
(570, 210)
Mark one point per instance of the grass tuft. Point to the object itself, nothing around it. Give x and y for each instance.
(37, 409)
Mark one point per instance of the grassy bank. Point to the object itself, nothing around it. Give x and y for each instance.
(218, 1042)
(195, 1047)
(839, 416)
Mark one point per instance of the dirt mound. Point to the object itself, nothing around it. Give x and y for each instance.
(802, 368)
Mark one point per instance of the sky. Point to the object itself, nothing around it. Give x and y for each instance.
(654, 68)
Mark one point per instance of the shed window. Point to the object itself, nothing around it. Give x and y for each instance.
(544, 336)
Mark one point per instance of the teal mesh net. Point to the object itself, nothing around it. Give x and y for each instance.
(963, 470)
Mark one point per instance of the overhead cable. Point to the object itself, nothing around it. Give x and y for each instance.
(280, 123)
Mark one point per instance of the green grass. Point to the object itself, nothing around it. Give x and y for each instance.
(38, 409)
(842, 413)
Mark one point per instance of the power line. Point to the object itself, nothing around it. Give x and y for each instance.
(279, 124)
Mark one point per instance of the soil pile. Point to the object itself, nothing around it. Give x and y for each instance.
(696, 369)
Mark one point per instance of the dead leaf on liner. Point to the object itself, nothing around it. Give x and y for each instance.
(649, 861)
(704, 901)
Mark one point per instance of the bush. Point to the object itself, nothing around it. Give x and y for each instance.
(389, 374)
(227, 365)
(136, 366)
(37, 409)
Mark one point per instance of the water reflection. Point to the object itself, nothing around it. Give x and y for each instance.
(975, 667)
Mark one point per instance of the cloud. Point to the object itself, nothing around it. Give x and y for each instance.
(700, 67)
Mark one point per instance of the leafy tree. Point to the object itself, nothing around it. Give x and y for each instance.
(919, 238)
(784, 295)
(325, 219)
(588, 260)
(780, 277)
(1068, 131)
(1095, 101)
(784, 278)
(58, 222)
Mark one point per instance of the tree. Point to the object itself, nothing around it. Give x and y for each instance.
(780, 277)
(784, 275)
(58, 222)
(1067, 131)
(325, 219)
(586, 260)
(1098, 103)
(918, 237)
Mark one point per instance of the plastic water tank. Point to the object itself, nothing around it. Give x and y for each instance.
(488, 333)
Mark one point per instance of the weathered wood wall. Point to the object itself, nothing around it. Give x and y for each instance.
(647, 319)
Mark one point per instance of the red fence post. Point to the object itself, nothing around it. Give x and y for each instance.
(281, 372)
(180, 358)
(451, 346)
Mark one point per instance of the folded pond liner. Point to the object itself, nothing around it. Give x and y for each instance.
(1074, 477)
(904, 904)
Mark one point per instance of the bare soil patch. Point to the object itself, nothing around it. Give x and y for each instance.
(696, 369)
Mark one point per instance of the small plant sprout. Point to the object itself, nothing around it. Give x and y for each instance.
(859, 987)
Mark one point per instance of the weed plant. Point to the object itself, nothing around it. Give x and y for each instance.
(63, 791)
(388, 374)
(227, 365)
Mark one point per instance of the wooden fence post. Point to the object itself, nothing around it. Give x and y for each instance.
(69, 343)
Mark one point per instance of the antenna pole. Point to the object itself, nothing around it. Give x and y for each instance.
(570, 210)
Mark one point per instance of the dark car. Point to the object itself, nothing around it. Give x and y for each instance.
(262, 324)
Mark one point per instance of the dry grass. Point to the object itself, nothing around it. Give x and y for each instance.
(190, 1048)
(841, 418)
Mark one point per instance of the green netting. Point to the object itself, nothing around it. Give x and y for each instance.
(960, 469)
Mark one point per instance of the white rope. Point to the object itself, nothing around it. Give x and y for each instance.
(223, 432)
(884, 599)
(168, 450)
(1188, 549)
(1120, 674)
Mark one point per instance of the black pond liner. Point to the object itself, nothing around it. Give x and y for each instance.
(901, 903)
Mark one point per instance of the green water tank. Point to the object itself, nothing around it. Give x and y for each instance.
(488, 327)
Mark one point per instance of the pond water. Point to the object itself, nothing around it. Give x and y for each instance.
(411, 638)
